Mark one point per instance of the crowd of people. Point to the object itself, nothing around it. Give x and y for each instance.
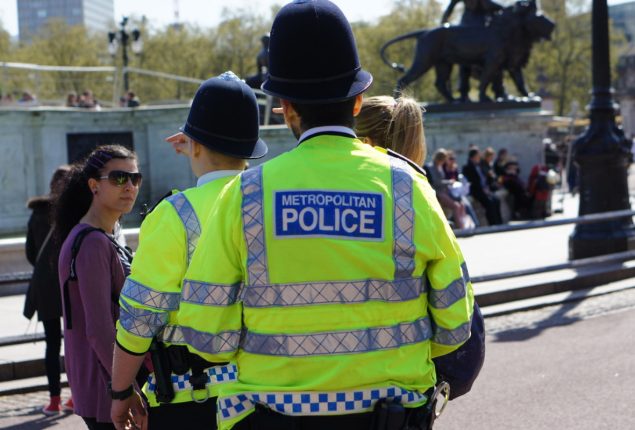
(490, 181)
(85, 100)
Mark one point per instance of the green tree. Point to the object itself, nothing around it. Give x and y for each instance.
(5, 47)
(195, 53)
(5, 43)
(184, 51)
(62, 45)
(405, 16)
(562, 67)
(237, 41)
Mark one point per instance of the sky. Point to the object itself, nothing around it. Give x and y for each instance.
(207, 13)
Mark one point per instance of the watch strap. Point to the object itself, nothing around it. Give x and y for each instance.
(120, 395)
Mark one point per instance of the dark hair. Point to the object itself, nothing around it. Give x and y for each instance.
(55, 187)
(320, 114)
(472, 153)
(76, 198)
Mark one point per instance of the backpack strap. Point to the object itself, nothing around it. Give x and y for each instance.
(146, 211)
(77, 243)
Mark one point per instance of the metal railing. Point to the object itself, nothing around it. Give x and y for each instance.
(620, 257)
(584, 219)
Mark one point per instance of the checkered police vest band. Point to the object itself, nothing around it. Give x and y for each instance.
(215, 375)
(316, 403)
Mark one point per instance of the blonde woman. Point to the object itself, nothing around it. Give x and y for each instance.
(393, 124)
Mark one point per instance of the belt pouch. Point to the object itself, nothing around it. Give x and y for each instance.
(178, 356)
(388, 416)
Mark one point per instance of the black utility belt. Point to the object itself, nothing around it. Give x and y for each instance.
(182, 360)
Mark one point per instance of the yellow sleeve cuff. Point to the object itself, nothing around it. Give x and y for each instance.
(132, 343)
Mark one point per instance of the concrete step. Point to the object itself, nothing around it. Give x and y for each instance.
(28, 385)
(539, 285)
(557, 299)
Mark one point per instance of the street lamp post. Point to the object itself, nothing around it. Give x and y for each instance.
(124, 38)
(602, 155)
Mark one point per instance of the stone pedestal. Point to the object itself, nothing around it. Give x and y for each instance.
(34, 141)
(519, 130)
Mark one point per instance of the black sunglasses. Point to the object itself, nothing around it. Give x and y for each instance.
(119, 178)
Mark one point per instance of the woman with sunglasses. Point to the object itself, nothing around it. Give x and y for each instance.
(92, 270)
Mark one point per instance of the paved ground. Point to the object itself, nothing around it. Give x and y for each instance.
(566, 367)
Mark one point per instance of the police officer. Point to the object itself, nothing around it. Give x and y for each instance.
(331, 275)
(220, 133)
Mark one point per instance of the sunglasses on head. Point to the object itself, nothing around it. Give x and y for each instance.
(119, 178)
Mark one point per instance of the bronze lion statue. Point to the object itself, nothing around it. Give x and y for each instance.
(505, 44)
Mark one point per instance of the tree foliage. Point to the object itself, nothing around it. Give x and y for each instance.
(561, 67)
(405, 16)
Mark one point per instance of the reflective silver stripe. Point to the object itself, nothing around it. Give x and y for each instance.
(460, 334)
(452, 293)
(311, 293)
(146, 296)
(315, 402)
(466, 274)
(141, 322)
(340, 342)
(209, 343)
(190, 221)
(403, 224)
(251, 187)
(441, 299)
(202, 293)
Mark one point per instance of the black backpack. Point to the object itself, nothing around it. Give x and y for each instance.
(77, 243)
(461, 367)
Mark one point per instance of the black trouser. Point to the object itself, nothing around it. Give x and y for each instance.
(397, 419)
(190, 415)
(92, 424)
(53, 339)
(492, 207)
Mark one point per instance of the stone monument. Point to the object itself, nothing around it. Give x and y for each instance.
(487, 47)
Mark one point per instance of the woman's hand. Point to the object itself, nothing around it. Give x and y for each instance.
(130, 413)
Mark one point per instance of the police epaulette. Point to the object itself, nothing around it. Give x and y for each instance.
(411, 163)
(145, 211)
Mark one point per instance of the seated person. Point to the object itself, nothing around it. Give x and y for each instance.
(516, 187)
(479, 188)
(437, 180)
(451, 168)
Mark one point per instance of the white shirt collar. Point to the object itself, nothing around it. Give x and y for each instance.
(217, 174)
(325, 129)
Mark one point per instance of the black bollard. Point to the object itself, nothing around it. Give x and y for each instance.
(602, 155)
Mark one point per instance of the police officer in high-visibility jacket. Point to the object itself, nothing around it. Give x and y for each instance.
(220, 133)
(329, 274)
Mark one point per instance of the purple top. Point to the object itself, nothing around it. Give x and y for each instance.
(88, 346)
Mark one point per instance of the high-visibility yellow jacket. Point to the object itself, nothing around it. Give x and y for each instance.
(151, 294)
(332, 278)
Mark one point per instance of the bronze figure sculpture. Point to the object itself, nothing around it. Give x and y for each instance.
(505, 44)
(475, 12)
(262, 65)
